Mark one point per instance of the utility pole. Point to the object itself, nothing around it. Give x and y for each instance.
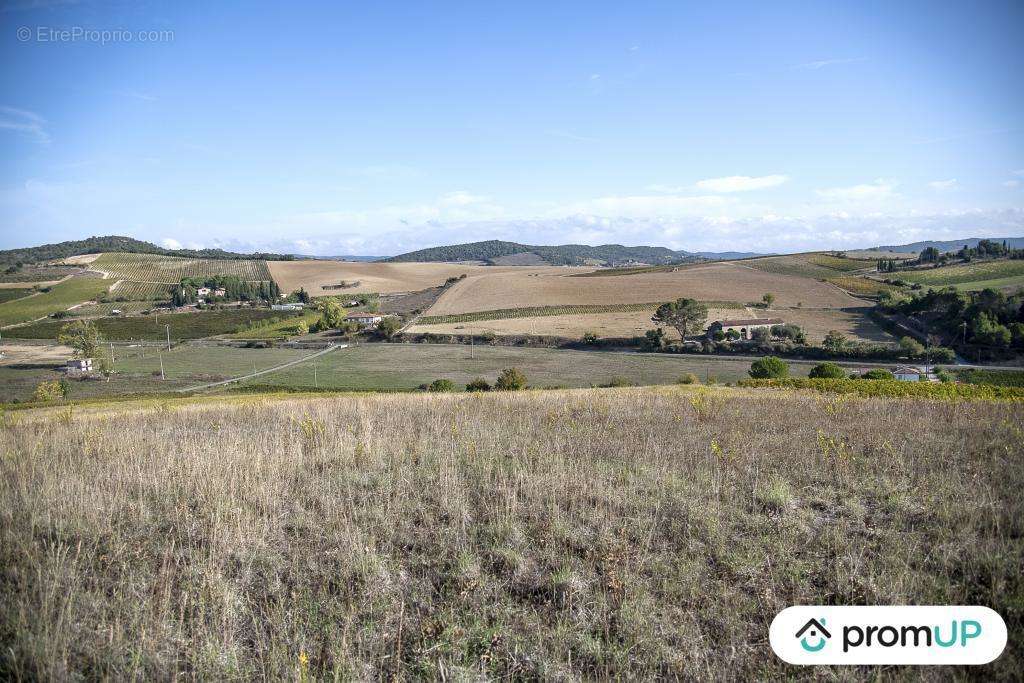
(471, 346)
(315, 385)
(162, 377)
(168, 328)
(112, 367)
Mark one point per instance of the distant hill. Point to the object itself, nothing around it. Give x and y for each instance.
(94, 245)
(949, 245)
(497, 251)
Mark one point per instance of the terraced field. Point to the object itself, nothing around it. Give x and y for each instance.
(61, 296)
(154, 268)
(975, 275)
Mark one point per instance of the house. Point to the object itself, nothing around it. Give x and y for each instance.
(914, 374)
(743, 326)
(115, 311)
(364, 319)
(220, 292)
(79, 366)
(203, 291)
(286, 307)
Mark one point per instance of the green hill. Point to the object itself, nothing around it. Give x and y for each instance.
(562, 255)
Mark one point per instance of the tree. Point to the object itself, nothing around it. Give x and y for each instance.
(686, 315)
(48, 392)
(769, 367)
(834, 341)
(590, 337)
(83, 337)
(768, 299)
(654, 340)
(760, 334)
(510, 379)
(332, 315)
(441, 386)
(389, 327)
(827, 371)
(877, 373)
(478, 384)
(911, 347)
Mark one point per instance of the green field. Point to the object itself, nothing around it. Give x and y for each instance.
(141, 327)
(143, 291)
(60, 297)
(280, 329)
(97, 310)
(817, 266)
(152, 268)
(969, 276)
(536, 311)
(12, 294)
(862, 286)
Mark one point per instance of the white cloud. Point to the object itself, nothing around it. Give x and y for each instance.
(170, 243)
(461, 198)
(24, 121)
(1011, 183)
(741, 183)
(943, 184)
(880, 189)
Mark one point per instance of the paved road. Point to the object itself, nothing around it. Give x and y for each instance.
(202, 387)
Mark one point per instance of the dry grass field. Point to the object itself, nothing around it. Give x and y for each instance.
(712, 282)
(616, 324)
(383, 278)
(594, 534)
(853, 322)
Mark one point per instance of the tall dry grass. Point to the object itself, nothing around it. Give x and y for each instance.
(588, 534)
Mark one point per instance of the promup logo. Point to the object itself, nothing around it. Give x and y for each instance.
(816, 629)
(888, 635)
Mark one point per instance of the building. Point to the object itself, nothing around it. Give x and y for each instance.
(220, 292)
(743, 326)
(914, 374)
(79, 366)
(364, 319)
(286, 307)
(203, 291)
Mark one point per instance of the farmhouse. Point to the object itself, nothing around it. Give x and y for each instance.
(914, 374)
(743, 326)
(203, 291)
(286, 307)
(79, 366)
(364, 319)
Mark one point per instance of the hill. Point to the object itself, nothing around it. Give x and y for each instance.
(560, 255)
(577, 535)
(949, 245)
(112, 243)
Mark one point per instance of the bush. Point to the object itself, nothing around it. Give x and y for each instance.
(827, 371)
(510, 379)
(894, 388)
(877, 373)
(590, 337)
(441, 386)
(618, 382)
(688, 378)
(769, 367)
(478, 384)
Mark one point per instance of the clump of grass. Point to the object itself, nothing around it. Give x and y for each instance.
(574, 534)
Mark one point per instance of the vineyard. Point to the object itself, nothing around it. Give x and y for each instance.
(947, 391)
(862, 286)
(152, 268)
(142, 291)
(817, 266)
(966, 273)
(540, 311)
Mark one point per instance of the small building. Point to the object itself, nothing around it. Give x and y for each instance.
(286, 307)
(203, 291)
(364, 319)
(115, 311)
(79, 366)
(743, 326)
(914, 374)
(220, 292)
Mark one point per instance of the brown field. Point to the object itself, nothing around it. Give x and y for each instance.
(621, 324)
(853, 322)
(80, 260)
(524, 287)
(640, 534)
(383, 278)
(34, 354)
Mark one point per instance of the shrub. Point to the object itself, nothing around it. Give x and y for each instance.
(769, 367)
(441, 386)
(688, 378)
(478, 384)
(48, 392)
(510, 379)
(877, 373)
(618, 382)
(827, 371)
(590, 337)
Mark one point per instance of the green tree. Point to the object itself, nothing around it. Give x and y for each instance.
(687, 316)
(654, 340)
(441, 386)
(877, 373)
(510, 379)
(769, 367)
(332, 315)
(590, 337)
(478, 384)
(767, 299)
(389, 327)
(83, 337)
(911, 347)
(827, 371)
(835, 341)
(48, 392)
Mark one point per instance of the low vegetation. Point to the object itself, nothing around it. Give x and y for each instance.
(540, 311)
(597, 534)
(54, 299)
(965, 273)
(885, 386)
(172, 269)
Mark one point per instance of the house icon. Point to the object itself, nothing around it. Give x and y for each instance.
(814, 629)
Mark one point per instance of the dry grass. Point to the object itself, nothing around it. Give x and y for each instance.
(383, 278)
(854, 322)
(630, 533)
(713, 282)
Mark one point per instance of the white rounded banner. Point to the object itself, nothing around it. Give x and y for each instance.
(809, 634)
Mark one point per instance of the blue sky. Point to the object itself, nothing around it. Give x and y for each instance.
(367, 128)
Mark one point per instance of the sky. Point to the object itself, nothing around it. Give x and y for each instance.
(376, 128)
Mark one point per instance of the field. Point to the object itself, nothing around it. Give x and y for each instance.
(596, 534)
(815, 266)
(528, 287)
(139, 327)
(383, 278)
(61, 296)
(171, 269)
(623, 320)
(862, 286)
(853, 322)
(35, 274)
(142, 291)
(975, 275)
(12, 294)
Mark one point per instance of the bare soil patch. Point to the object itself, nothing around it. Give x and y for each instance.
(383, 278)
